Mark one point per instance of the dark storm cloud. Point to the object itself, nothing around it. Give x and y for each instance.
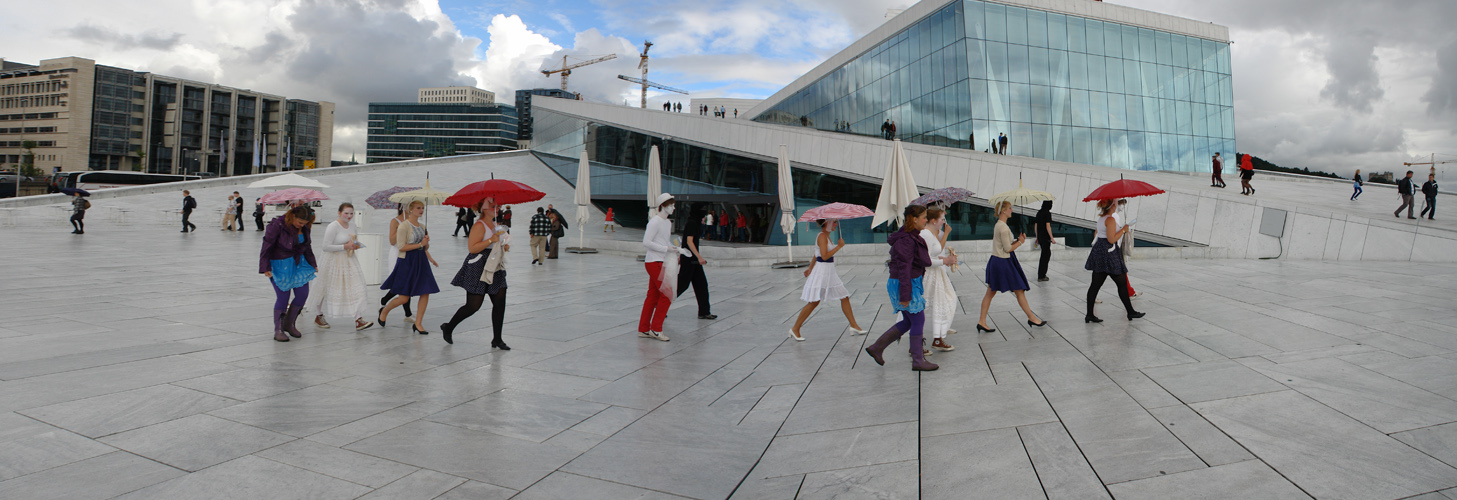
(1354, 83)
(274, 45)
(1441, 98)
(104, 36)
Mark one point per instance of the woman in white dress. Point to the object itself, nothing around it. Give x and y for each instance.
(823, 282)
(341, 279)
(389, 261)
(940, 295)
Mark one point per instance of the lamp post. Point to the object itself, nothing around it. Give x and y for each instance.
(24, 103)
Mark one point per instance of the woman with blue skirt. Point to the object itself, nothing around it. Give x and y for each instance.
(287, 259)
(1004, 272)
(909, 259)
(411, 276)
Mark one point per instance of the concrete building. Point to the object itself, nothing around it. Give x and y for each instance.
(86, 116)
(470, 95)
(405, 130)
(523, 110)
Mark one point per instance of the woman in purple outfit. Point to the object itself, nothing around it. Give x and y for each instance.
(909, 259)
(287, 259)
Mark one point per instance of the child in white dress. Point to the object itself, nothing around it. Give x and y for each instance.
(823, 282)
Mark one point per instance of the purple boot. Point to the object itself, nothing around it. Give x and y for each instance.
(875, 350)
(278, 325)
(293, 312)
(918, 356)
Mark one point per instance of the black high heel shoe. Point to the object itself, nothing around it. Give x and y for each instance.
(417, 330)
(1135, 315)
(1092, 319)
(980, 328)
(500, 345)
(380, 317)
(1043, 323)
(445, 331)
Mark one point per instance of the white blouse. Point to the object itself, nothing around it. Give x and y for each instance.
(336, 235)
(658, 240)
(933, 247)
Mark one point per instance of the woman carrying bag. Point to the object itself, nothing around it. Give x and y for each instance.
(482, 274)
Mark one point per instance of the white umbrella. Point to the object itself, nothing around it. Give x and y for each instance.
(897, 190)
(786, 206)
(287, 181)
(655, 179)
(584, 200)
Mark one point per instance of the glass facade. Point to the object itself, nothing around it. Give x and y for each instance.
(402, 131)
(1060, 86)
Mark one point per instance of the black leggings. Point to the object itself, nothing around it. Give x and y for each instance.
(79, 224)
(1119, 279)
(473, 303)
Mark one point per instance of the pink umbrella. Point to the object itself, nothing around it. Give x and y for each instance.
(293, 194)
(836, 211)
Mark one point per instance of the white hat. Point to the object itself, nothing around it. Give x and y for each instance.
(663, 198)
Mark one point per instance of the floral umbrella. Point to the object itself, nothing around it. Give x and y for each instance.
(291, 195)
(836, 210)
(943, 196)
(381, 199)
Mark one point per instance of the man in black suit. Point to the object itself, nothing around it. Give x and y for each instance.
(188, 204)
(238, 209)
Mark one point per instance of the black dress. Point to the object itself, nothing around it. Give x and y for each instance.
(469, 276)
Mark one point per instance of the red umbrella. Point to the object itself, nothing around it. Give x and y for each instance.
(836, 211)
(1123, 188)
(505, 192)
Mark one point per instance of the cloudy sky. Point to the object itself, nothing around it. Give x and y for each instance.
(1325, 84)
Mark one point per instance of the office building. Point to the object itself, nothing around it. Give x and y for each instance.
(87, 116)
(523, 110)
(407, 130)
(470, 95)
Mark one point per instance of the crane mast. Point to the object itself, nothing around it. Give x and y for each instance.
(643, 65)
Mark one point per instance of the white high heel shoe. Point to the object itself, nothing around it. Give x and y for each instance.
(795, 337)
(858, 331)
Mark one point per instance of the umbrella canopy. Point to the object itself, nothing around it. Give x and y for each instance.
(287, 181)
(381, 199)
(71, 191)
(1123, 188)
(1020, 196)
(836, 210)
(655, 178)
(897, 190)
(503, 191)
(425, 194)
(786, 192)
(291, 195)
(584, 190)
(944, 196)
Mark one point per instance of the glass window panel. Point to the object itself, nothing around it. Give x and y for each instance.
(1117, 112)
(1077, 40)
(1130, 42)
(1097, 73)
(1062, 143)
(1136, 158)
(963, 100)
(1132, 82)
(1037, 66)
(1042, 141)
(958, 30)
(905, 53)
(924, 28)
(1097, 110)
(1153, 155)
(1078, 70)
(1149, 73)
(1021, 102)
(1196, 86)
(1080, 108)
(1186, 153)
(1185, 118)
(1036, 28)
(903, 88)
(998, 101)
(924, 70)
(1019, 139)
(997, 61)
(1151, 115)
(1082, 145)
(1115, 74)
(1118, 149)
(1224, 59)
(1017, 25)
(1056, 31)
(982, 130)
(1199, 119)
(1147, 50)
(1226, 92)
(1058, 67)
(1100, 147)
(979, 99)
(996, 24)
(1179, 51)
(935, 23)
(1181, 83)
(1196, 52)
(1166, 82)
(1228, 121)
(976, 57)
(1017, 63)
(1095, 36)
(976, 20)
(938, 70)
(958, 60)
(1041, 104)
(1112, 40)
(1211, 55)
(1062, 107)
(1165, 47)
(1212, 127)
(1134, 112)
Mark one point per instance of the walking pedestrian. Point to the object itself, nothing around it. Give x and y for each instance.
(258, 213)
(1105, 260)
(1218, 179)
(79, 205)
(823, 282)
(464, 219)
(482, 274)
(996, 150)
(1042, 227)
(238, 209)
(657, 239)
(1246, 173)
(1002, 139)
(723, 226)
(742, 223)
(1429, 190)
(909, 259)
(1404, 191)
(610, 222)
(558, 229)
(390, 257)
(892, 130)
(341, 290)
(941, 302)
(708, 226)
(540, 230)
(1004, 272)
(228, 215)
(506, 217)
(287, 259)
(885, 129)
(411, 276)
(690, 267)
(1356, 185)
(188, 205)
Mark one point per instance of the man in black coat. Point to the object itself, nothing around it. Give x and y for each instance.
(238, 209)
(188, 204)
(1404, 190)
(1429, 190)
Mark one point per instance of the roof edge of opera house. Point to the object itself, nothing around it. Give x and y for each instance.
(1082, 8)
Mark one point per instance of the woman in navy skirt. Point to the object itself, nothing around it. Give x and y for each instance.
(1106, 260)
(1004, 272)
(412, 276)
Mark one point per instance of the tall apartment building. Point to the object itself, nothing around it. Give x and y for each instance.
(470, 95)
(86, 116)
(523, 110)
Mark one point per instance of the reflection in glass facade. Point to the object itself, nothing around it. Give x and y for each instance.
(1061, 87)
(403, 131)
(701, 176)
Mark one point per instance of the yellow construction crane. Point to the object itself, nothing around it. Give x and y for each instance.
(1433, 163)
(566, 69)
